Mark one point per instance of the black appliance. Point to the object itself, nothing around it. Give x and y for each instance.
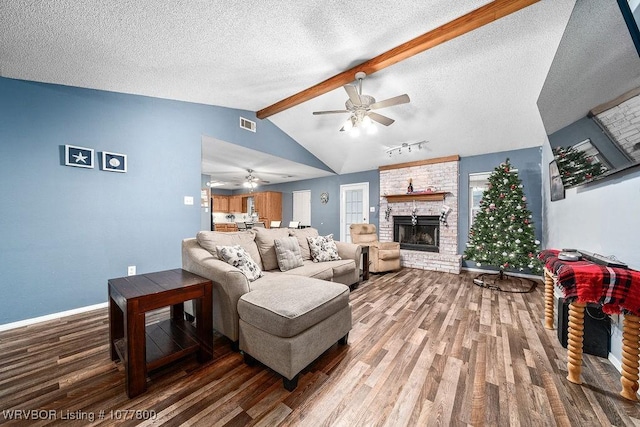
(597, 329)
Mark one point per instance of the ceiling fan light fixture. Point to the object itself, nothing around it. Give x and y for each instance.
(348, 125)
(355, 132)
(366, 121)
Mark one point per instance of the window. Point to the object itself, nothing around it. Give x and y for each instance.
(478, 182)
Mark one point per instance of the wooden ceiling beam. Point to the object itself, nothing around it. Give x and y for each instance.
(475, 19)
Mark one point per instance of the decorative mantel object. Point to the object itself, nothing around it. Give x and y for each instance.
(444, 212)
(410, 187)
(414, 215)
(80, 157)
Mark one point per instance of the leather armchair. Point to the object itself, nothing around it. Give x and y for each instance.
(383, 256)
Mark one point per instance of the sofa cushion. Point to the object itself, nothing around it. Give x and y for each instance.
(210, 239)
(323, 248)
(288, 253)
(343, 267)
(239, 258)
(266, 247)
(317, 270)
(292, 304)
(301, 234)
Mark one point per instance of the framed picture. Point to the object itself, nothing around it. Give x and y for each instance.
(114, 162)
(556, 186)
(80, 157)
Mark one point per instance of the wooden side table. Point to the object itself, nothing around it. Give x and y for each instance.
(630, 341)
(144, 348)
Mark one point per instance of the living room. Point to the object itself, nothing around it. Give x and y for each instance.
(68, 230)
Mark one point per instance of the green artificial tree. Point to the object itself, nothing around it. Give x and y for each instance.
(576, 166)
(502, 234)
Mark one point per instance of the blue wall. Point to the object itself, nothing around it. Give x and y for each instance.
(528, 163)
(326, 217)
(65, 230)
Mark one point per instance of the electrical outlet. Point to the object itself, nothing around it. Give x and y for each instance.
(188, 200)
(131, 270)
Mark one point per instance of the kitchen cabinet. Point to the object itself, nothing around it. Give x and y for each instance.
(237, 203)
(220, 203)
(226, 226)
(268, 205)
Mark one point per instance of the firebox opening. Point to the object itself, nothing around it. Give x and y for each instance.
(423, 236)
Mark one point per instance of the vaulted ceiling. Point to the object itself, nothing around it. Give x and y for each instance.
(471, 95)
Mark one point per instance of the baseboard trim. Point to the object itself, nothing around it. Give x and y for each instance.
(33, 321)
(615, 362)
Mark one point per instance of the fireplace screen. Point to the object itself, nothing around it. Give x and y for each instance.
(423, 236)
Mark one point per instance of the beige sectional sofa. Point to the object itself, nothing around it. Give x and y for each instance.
(199, 256)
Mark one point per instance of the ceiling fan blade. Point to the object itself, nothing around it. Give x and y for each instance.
(353, 94)
(383, 120)
(315, 113)
(396, 100)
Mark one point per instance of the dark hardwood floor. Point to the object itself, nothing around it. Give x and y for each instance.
(426, 348)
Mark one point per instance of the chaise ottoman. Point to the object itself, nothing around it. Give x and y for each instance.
(289, 324)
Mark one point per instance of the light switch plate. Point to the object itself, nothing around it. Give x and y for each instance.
(188, 200)
(372, 208)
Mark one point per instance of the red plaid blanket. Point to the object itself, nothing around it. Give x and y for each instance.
(616, 289)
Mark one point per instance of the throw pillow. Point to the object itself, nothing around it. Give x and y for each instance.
(266, 247)
(210, 240)
(288, 253)
(301, 234)
(323, 248)
(239, 258)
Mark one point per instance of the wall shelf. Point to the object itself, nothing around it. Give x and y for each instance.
(433, 196)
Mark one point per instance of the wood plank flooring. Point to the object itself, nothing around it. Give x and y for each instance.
(426, 349)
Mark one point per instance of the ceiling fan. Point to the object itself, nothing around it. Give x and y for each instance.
(251, 181)
(361, 106)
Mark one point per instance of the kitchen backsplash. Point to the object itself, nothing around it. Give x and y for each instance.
(226, 217)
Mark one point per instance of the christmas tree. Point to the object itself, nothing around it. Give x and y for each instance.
(502, 234)
(576, 166)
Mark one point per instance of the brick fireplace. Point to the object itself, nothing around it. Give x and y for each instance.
(440, 175)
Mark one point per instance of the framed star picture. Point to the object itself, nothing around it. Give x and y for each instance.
(114, 162)
(80, 157)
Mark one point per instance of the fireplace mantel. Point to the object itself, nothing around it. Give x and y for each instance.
(432, 196)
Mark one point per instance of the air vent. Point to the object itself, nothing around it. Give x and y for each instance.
(247, 124)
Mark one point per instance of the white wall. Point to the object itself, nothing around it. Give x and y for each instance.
(602, 218)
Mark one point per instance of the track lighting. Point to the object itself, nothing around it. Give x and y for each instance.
(407, 145)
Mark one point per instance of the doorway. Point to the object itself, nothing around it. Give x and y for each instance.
(354, 207)
(302, 207)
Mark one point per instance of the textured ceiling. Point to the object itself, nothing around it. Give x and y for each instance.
(471, 95)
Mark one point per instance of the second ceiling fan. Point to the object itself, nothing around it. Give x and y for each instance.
(361, 106)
